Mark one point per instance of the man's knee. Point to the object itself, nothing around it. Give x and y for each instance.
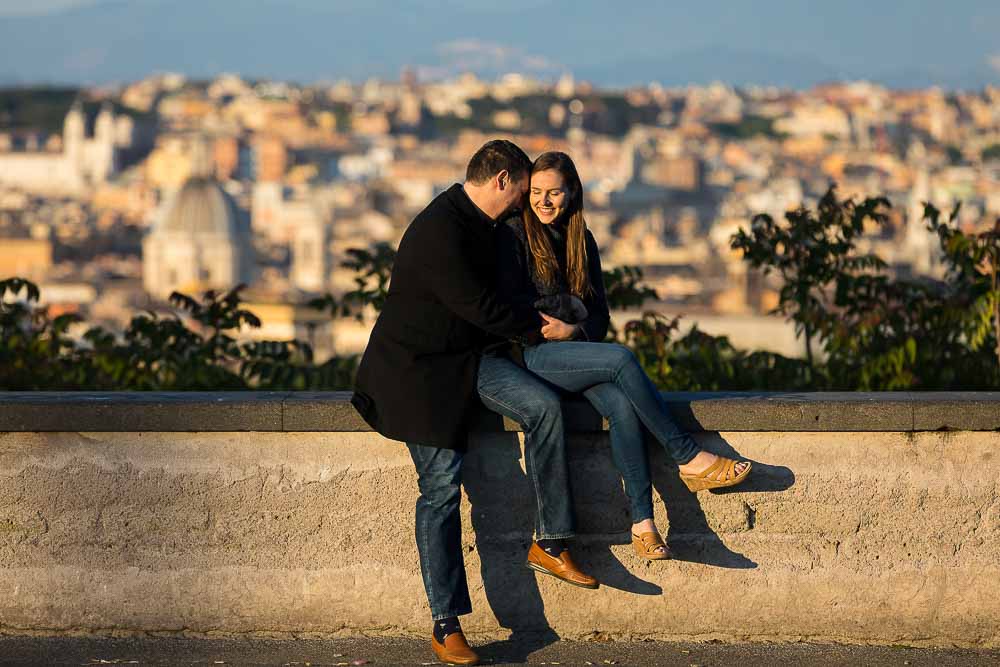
(439, 474)
(440, 489)
(517, 393)
(539, 406)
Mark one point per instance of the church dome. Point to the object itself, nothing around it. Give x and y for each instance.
(201, 207)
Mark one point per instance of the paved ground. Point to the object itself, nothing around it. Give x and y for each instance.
(392, 651)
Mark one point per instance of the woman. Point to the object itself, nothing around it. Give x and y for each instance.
(549, 258)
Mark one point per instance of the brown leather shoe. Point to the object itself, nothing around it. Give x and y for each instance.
(455, 650)
(561, 568)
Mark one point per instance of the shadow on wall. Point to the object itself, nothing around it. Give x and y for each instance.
(503, 510)
(504, 529)
(688, 534)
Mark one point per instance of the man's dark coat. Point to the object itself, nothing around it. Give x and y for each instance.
(417, 378)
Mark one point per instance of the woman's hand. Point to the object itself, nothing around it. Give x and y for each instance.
(554, 329)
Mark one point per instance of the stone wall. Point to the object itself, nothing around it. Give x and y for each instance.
(870, 518)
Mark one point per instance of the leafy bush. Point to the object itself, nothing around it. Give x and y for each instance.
(878, 333)
(189, 353)
(697, 361)
(35, 351)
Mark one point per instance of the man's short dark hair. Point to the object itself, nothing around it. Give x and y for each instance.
(494, 157)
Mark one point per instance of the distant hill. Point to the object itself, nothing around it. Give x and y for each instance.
(609, 43)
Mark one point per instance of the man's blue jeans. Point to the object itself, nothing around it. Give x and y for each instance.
(610, 377)
(510, 390)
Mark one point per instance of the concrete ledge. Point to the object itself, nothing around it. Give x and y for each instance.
(332, 411)
(321, 411)
(852, 537)
(141, 411)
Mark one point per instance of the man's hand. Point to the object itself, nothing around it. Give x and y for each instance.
(554, 329)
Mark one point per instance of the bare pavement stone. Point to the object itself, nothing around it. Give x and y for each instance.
(534, 650)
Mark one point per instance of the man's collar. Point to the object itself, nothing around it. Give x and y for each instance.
(482, 214)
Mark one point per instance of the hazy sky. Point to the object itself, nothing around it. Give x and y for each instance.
(788, 42)
(36, 6)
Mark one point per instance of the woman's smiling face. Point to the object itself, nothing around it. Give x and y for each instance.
(548, 196)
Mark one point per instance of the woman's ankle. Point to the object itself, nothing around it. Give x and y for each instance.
(643, 526)
(701, 460)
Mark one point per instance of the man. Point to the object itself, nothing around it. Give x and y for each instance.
(425, 369)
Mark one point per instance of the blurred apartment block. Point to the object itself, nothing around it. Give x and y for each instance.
(70, 163)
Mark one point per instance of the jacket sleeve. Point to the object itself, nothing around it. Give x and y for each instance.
(514, 283)
(460, 287)
(595, 327)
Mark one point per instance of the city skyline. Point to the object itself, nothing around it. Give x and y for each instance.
(780, 42)
(104, 191)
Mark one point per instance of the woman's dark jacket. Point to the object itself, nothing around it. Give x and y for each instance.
(519, 284)
(417, 378)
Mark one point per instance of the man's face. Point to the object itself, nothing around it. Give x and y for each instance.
(513, 195)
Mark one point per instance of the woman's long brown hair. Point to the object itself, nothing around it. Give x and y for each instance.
(546, 265)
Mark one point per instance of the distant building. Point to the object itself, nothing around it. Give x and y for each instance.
(412, 116)
(226, 156)
(83, 161)
(566, 87)
(200, 240)
(25, 258)
(684, 172)
(270, 159)
(507, 119)
(370, 123)
(173, 160)
(281, 215)
(815, 119)
(632, 193)
(311, 262)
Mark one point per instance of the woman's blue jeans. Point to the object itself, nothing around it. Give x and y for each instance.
(610, 377)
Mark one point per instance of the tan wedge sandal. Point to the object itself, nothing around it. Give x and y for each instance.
(646, 545)
(720, 474)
